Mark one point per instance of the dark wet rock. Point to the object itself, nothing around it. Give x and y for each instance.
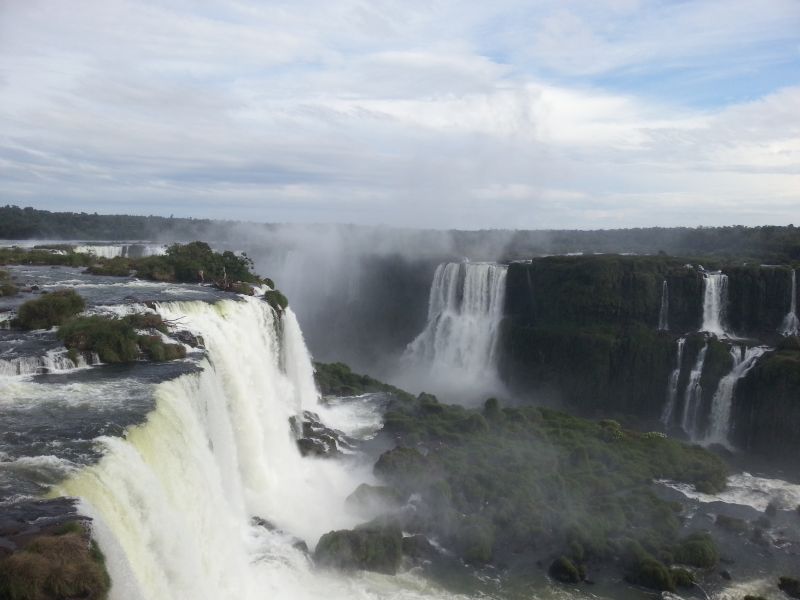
(564, 570)
(725, 574)
(418, 547)
(378, 550)
(789, 586)
(301, 546)
(22, 521)
(316, 439)
(374, 498)
(259, 522)
(188, 338)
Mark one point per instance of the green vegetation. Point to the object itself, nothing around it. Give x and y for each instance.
(276, 300)
(54, 567)
(765, 409)
(336, 379)
(117, 339)
(533, 479)
(194, 262)
(6, 287)
(365, 548)
(35, 256)
(49, 309)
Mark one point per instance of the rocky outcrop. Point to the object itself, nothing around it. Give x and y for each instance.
(368, 549)
(766, 406)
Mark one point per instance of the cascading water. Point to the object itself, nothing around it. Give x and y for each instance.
(54, 361)
(672, 386)
(173, 500)
(791, 323)
(744, 359)
(459, 342)
(692, 398)
(715, 298)
(663, 322)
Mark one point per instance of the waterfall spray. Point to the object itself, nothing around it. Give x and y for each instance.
(693, 395)
(663, 313)
(459, 342)
(672, 386)
(715, 299)
(744, 359)
(791, 323)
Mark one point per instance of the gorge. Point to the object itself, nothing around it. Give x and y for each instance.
(652, 342)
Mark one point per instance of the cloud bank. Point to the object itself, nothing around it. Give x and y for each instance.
(529, 114)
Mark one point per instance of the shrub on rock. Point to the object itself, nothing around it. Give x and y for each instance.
(49, 310)
(378, 550)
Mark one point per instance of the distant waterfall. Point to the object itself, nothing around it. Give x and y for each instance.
(692, 398)
(672, 386)
(663, 323)
(743, 360)
(791, 324)
(459, 342)
(715, 299)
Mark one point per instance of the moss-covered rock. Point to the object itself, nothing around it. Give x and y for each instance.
(651, 573)
(49, 310)
(697, 550)
(366, 549)
(276, 300)
(119, 339)
(55, 567)
(564, 570)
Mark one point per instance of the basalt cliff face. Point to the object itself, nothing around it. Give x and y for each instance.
(690, 349)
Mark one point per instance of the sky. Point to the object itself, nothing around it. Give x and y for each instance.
(438, 114)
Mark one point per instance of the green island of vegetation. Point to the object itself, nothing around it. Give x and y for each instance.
(532, 482)
(64, 563)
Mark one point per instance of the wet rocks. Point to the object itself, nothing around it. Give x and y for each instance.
(316, 439)
(379, 550)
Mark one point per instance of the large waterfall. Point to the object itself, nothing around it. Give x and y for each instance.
(693, 394)
(715, 298)
(791, 323)
(663, 313)
(173, 500)
(457, 350)
(672, 385)
(744, 359)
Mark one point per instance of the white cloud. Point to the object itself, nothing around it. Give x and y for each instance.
(435, 114)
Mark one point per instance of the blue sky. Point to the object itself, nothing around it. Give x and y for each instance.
(535, 114)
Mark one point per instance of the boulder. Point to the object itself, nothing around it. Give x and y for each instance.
(378, 550)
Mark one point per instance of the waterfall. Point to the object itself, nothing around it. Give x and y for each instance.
(744, 359)
(459, 342)
(715, 298)
(173, 500)
(53, 361)
(663, 324)
(791, 324)
(672, 385)
(692, 398)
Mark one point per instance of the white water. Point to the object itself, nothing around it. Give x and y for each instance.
(54, 361)
(791, 323)
(663, 322)
(692, 398)
(459, 343)
(124, 250)
(672, 385)
(744, 359)
(748, 490)
(173, 500)
(715, 298)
